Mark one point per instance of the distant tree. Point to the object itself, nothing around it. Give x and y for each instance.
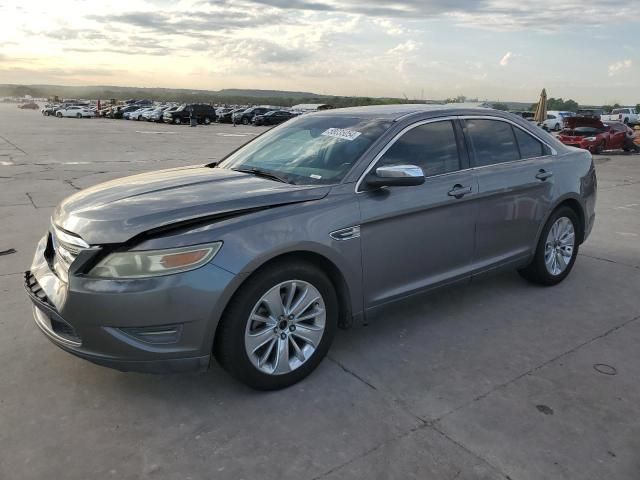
(607, 108)
(500, 106)
(638, 107)
(571, 106)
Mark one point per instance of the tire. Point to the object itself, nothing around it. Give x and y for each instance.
(539, 271)
(245, 121)
(206, 121)
(598, 148)
(79, 115)
(231, 350)
(556, 127)
(176, 120)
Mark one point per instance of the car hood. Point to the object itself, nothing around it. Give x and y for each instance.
(116, 211)
(573, 122)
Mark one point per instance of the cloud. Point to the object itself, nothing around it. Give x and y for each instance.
(504, 61)
(403, 48)
(617, 67)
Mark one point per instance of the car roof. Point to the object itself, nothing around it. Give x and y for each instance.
(397, 111)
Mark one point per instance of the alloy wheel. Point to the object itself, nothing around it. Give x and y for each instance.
(559, 246)
(285, 327)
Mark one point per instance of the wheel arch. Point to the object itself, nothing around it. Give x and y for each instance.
(574, 203)
(326, 265)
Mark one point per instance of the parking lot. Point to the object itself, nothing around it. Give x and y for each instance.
(498, 379)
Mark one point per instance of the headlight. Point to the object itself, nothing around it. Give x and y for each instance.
(154, 263)
(590, 139)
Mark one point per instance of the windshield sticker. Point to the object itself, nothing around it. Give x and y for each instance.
(341, 133)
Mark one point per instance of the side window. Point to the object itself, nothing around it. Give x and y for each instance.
(431, 146)
(529, 146)
(492, 141)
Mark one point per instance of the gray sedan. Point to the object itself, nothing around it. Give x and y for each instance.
(257, 260)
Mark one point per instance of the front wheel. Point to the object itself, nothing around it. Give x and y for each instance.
(557, 127)
(278, 326)
(556, 251)
(176, 120)
(207, 120)
(245, 121)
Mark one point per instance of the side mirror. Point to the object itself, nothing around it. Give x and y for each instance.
(396, 176)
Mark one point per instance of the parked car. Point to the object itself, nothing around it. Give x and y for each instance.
(594, 135)
(314, 224)
(153, 114)
(590, 112)
(274, 117)
(555, 120)
(77, 111)
(246, 116)
(202, 112)
(227, 117)
(628, 116)
(119, 111)
(50, 110)
(137, 114)
(29, 106)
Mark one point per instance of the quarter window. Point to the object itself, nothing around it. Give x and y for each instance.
(431, 146)
(529, 146)
(492, 141)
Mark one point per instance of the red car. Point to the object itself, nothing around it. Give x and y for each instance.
(593, 135)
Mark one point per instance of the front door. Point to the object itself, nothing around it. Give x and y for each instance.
(418, 237)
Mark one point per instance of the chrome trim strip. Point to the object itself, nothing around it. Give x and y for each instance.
(45, 325)
(393, 140)
(554, 152)
(66, 238)
(489, 117)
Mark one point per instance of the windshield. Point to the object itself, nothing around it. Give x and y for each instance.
(584, 131)
(310, 150)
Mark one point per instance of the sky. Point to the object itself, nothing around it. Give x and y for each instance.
(421, 49)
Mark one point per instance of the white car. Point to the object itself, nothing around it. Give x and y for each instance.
(555, 120)
(628, 116)
(75, 111)
(137, 114)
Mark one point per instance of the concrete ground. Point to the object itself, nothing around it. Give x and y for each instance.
(496, 380)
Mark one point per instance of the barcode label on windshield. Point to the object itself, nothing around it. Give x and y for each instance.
(341, 133)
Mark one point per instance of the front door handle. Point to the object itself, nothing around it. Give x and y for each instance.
(543, 175)
(459, 191)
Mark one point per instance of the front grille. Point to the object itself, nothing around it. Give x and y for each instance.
(64, 248)
(34, 287)
(58, 326)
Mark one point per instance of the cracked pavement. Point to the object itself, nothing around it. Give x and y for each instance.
(498, 379)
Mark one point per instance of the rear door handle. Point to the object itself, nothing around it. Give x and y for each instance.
(459, 191)
(543, 175)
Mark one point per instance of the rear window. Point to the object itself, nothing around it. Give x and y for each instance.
(492, 141)
(529, 146)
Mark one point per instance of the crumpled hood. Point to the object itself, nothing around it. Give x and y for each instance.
(116, 211)
(574, 122)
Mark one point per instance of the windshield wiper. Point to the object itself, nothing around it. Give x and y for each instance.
(262, 173)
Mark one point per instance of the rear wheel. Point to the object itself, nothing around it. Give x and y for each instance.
(245, 121)
(598, 149)
(176, 120)
(556, 251)
(207, 120)
(79, 115)
(278, 326)
(557, 127)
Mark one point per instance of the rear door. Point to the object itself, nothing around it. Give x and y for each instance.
(515, 178)
(417, 237)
